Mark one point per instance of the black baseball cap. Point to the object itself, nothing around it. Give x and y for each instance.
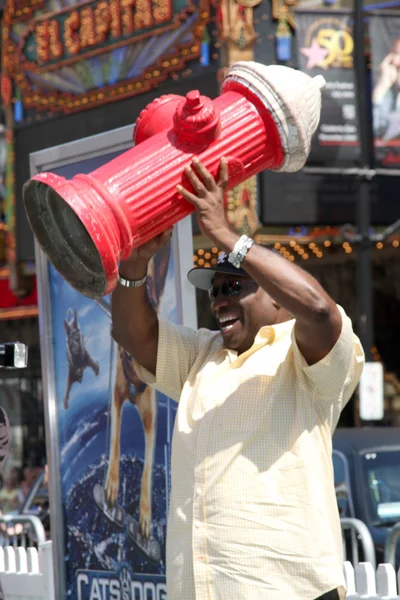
(201, 277)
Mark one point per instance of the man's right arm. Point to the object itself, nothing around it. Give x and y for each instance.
(134, 321)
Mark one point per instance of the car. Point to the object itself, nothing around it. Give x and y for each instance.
(366, 464)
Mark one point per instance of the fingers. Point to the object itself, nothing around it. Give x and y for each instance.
(161, 239)
(197, 185)
(205, 175)
(202, 180)
(167, 234)
(188, 195)
(223, 175)
(152, 246)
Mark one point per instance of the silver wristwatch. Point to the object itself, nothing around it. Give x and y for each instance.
(240, 250)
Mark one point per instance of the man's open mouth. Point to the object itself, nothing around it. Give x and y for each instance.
(227, 322)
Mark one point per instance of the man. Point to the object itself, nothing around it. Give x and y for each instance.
(253, 514)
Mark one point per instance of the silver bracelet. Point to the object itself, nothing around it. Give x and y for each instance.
(240, 250)
(131, 283)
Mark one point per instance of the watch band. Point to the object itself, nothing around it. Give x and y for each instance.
(240, 250)
(131, 283)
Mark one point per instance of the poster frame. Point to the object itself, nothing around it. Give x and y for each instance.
(117, 140)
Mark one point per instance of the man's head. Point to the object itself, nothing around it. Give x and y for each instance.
(240, 306)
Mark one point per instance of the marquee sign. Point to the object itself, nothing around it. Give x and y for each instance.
(88, 29)
(97, 51)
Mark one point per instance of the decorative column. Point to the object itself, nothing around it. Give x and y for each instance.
(237, 36)
(17, 283)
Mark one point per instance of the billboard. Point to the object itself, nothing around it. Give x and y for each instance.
(325, 43)
(385, 64)
(108, 434)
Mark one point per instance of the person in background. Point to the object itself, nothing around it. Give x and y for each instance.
(10, 493)
(385, 95)
(29, 477)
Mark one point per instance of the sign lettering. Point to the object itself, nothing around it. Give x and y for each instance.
(91, 585)
(92, 25)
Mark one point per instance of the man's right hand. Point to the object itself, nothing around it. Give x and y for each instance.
(135, 267)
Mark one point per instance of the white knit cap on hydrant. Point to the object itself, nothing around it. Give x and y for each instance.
(294, 100)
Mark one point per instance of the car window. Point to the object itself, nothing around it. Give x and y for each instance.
(381, 472)
(341, 485)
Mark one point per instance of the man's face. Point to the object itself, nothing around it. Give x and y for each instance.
(241, 316)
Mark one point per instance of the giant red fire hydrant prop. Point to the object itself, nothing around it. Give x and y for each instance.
(263, 119)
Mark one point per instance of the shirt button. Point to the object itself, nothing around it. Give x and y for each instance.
(198, 491)
(197, 524)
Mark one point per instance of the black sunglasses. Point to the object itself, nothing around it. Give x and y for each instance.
(228, 288)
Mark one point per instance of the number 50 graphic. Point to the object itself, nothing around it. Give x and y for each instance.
(339, 44)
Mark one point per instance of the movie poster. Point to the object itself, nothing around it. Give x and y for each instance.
(114, 440)
(385, 62)
(325, 45)
(114, 447)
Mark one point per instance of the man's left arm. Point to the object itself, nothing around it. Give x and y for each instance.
(318, 320)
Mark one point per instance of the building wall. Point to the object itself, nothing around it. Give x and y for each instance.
(52, 132)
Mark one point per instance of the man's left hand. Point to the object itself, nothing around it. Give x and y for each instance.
(208, 198)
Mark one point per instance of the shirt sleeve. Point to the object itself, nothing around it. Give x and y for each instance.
(177, 350)
(335, 377)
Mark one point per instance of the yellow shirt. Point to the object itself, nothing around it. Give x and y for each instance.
(253, 513)
(9, 500)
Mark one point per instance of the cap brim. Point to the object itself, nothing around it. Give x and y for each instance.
(202, 277)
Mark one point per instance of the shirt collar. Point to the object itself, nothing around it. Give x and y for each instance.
(268, 334)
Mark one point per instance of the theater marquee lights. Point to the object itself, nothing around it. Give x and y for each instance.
(98, 51)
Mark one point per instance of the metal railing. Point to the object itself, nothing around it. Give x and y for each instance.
(27, 573)
(21, 531)
(391, 545)
(359, 533)
(364, 583)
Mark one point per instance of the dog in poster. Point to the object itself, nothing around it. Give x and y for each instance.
(128, 387)
(78, 356)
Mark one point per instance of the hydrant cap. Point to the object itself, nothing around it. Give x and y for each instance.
(293, 99)
(196, 119)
